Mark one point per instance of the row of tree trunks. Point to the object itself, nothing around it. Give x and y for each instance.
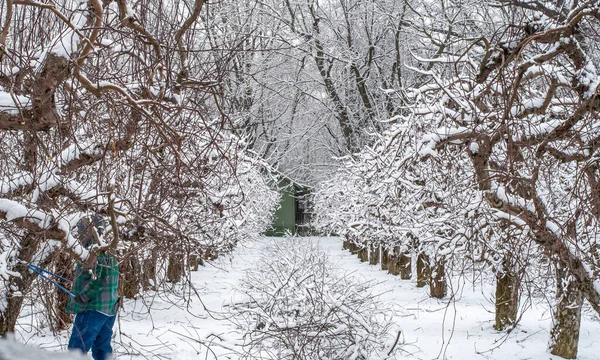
(399, 262)
(136, 275)
(567, 317)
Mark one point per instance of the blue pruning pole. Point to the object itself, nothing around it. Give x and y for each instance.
(41, 272)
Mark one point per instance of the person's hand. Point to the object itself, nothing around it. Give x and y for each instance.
(81, 299)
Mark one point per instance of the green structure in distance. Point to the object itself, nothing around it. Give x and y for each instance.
(292, 215)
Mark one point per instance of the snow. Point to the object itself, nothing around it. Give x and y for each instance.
(589, 78)
(474, 148)
(513, 199)
(12, 103)
(67, 43)
(542, 129)
(130, 13)
(11, 349)
(162, 326)
(18, 180)
(430, 141)
(13, 209)
(554, 228)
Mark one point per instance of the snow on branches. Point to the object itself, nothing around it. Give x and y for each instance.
(96, 117)
(495, 158)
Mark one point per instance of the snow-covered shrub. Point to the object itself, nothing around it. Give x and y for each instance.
(298, 307)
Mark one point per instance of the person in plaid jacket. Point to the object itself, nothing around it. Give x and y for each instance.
(96, 297)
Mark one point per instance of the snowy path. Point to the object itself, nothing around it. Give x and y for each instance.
(430, 328)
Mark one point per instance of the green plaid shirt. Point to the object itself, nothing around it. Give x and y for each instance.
(99, 285)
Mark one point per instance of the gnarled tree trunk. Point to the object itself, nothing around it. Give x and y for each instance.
(20, 285)
(564, 337)
(507, 297)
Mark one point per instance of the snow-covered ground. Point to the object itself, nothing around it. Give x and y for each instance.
(162, 327)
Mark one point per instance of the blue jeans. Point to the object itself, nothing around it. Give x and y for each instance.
(92, 330)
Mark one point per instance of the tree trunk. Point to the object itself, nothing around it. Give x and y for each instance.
(374, 256)
(175, 268)
(423, 271)
(353, 248)
(346, 244)
(437, 283)
(363, 253)
(507, 297)
(393, 261)
(385, 258)
(564, 337)
(65, 268)
(194, 261)
(404, 265)
(130, 276)
(19, 285)
(210, 253)
(149, 274)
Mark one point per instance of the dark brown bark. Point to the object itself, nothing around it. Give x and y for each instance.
(41, 113)
(346, 245)
(353, 247)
